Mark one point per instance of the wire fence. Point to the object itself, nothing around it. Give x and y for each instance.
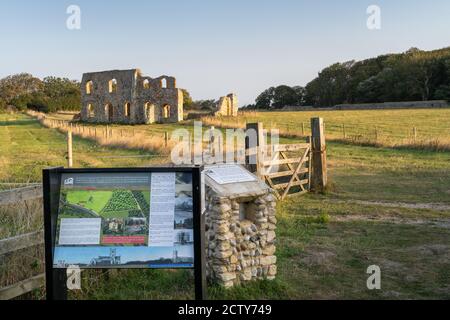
(434, 138)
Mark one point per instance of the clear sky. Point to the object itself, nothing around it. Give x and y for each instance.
(213, 47)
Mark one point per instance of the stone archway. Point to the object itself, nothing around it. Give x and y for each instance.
(109, 112)
(166, 111)
(150, 115)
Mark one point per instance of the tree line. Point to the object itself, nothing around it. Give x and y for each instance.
(51, 94)
(24, 91)
(414, 75)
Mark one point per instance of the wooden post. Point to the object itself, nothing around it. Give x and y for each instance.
(211, 141)
(166, 138)
(303, 129)
(415, 134)
(254, 149)
(69, 149)
(319, 156)
(343, 131)
(308, 141)
(376, 133)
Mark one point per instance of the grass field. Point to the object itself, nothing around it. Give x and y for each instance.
(420, 128)
(26, 147)
(93, 200)
(385, 206)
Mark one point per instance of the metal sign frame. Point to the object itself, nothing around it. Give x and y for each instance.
(56, 278)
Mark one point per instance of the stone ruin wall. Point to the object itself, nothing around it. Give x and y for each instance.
(240, 250)
(147, 98)
(227, 106)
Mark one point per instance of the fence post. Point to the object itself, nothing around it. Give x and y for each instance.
(211, 141)
(319, 156)
(303, 129)
(254, 146)
(343, 131)
(166, 139)
(69, 149)
(415, 134)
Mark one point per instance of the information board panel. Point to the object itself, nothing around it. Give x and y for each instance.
(229, 173)
(123, 218)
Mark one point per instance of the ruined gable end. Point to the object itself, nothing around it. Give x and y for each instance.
(227, 106)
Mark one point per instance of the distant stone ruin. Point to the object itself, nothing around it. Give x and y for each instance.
(126, 96)
(227, 106)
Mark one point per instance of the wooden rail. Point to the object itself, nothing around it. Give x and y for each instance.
(21, 242)
(18, 195)
(13, 244)
(22, 287)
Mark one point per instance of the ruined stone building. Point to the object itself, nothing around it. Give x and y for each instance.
(126, 96)
(227, 106)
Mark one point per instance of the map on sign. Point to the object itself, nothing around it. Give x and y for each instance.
(125, 220)
(229, 173)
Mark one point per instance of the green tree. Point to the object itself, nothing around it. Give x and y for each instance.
(284, 96)
(16, 85)
(265, 99)
(187, 100)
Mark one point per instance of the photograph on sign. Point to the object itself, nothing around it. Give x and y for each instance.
(125, 220)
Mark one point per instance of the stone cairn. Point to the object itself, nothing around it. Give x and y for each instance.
(240, 250)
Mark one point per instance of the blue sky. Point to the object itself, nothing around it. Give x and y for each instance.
(213, 47)
(139, 253)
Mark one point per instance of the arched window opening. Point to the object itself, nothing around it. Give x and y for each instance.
(149, 112)
(146, 84)
(166, 111)
(127, 110)
(91, 110)
(89, 87)
(109, 112)
(112, 86)
(163, 83)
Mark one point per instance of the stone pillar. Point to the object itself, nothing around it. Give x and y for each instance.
(240, 250)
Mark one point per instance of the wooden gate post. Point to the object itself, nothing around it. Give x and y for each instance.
(319, 156)
(254, 148)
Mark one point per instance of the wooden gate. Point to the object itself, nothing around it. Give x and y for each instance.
(286, 168)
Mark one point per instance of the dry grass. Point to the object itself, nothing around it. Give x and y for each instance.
(17, 219)
(21, 218)
(109, 137)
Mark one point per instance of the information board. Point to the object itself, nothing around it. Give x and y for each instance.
(123, 218)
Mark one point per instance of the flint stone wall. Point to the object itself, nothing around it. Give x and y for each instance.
(240, 250)
(147, 97)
